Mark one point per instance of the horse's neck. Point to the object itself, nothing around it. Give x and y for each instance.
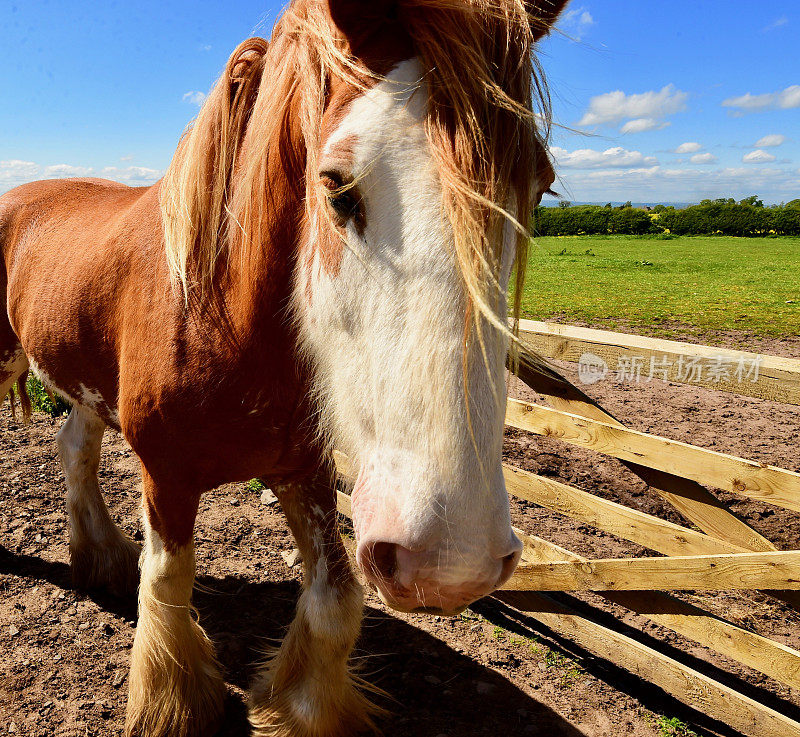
(258, 284)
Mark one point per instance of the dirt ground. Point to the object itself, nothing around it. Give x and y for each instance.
(64, 654)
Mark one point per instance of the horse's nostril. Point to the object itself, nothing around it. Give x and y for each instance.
(382, 558)
(509, 564)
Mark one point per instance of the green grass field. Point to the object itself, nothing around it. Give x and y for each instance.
(706, 283)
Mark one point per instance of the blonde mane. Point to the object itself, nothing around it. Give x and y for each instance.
(486, 95)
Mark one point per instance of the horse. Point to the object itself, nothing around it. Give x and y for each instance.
(324, 265)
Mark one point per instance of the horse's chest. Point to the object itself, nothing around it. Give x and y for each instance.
(222, 429)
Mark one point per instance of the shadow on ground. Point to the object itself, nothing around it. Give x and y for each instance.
(435, 690)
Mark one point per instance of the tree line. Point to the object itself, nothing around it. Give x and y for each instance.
(747, 218)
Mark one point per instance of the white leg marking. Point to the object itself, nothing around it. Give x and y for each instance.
(101, 554)
(175, 686)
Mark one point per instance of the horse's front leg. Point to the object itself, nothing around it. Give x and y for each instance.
(175, 686)
(307, 689)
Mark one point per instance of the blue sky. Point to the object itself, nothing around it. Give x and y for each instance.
(676, 101)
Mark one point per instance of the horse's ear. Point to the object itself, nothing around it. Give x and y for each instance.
(543, 15)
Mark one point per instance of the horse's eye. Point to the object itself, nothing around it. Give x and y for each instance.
(344, 204)
(344, 201)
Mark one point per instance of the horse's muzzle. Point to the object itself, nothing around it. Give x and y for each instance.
(432, 580)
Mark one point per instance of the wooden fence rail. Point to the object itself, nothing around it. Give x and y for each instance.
(729, 571)
(776, 378)
(724, 552)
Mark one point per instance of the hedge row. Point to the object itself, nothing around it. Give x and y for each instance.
(748, 218)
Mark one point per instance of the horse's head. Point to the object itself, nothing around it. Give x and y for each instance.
(402, 280)
(413, 122)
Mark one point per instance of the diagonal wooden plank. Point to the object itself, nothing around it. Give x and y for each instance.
(684, 683)
(730, 473)
(727, 571)
(692, 500)
(629, 524)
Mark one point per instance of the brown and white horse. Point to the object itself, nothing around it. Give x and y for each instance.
(324, 265)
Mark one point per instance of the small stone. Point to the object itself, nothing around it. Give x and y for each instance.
(57, 657)
(268, 498)
(233, 501)
(542, 666)
(84, 625)
(484, 688)
(475, 627)
(119, 679)
(13, 631)
(12, 727)
(292, 557)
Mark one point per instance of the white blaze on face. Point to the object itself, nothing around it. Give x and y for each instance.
(385, 329)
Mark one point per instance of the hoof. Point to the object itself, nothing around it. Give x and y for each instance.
(166, 717)
(175, 699)
(305, 710)
(113, 567)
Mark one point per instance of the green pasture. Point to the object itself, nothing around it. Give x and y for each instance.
(702, 283)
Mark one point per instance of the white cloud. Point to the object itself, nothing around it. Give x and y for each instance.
(782, 21)
(614, 107)
(195, 98)
(703, 159)
(641, 125)
(690, 147)
(587, 158)
(576, 22)
(758, 157)
(776, 139)
(15, 171)
(782, 100)
(657, 184)
(136, 175)
(129, 157)
(65, 171)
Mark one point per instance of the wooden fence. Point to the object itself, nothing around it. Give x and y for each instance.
(724, 552)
